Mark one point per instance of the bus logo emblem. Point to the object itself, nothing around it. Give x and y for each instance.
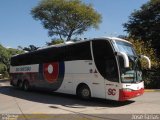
(112, 92)
(51, 71)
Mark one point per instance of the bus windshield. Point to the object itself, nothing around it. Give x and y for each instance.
(121, 46)
(133, 72)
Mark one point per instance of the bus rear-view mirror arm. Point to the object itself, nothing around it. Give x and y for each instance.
(125, 58)
(148, 60)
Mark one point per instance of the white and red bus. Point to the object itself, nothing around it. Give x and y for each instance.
(107, 68)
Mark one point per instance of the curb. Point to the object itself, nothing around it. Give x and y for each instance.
(152, 90)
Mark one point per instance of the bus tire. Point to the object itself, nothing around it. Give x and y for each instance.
(26, 85)
(84, 92)
(20, 84)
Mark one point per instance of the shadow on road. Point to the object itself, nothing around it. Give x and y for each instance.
(4, 80)
(70, 101)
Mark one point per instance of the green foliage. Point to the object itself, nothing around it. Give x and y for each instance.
(2, 68)
(144, 27)
(151, 80)
(145, 48)
(144, 24)
(54, 42)
(151, 77)
(5, 55)
(59, 41)
(30, 48)
(65, 18)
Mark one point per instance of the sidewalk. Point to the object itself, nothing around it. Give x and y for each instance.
(152, 90)
(4, 80)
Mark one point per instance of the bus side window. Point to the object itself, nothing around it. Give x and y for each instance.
(78, 52)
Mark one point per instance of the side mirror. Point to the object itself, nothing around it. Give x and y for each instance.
(125, 58)
(148, 60)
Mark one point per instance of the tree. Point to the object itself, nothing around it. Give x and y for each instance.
(144, 24)
(151, 77)
(145, 48)
(5, 55)
(54, 42)
(65, 18)
(30, 48)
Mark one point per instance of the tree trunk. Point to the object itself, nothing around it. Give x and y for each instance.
(70, 35)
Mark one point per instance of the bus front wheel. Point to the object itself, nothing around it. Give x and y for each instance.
(84, 92)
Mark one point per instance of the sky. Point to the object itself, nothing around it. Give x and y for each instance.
(18, 28)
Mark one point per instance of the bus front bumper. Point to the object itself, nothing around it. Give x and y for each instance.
(125, 95)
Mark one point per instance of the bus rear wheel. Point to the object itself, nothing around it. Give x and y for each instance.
(19, 84)
(26, 85)
(84, 92)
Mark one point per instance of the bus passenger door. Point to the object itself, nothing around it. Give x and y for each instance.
(98, 86)
(112, 80)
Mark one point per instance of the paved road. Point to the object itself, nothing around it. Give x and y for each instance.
(15, 101)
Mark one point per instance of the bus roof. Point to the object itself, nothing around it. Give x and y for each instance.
(119, 39)
(71, 43)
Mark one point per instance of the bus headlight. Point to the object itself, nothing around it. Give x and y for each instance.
(127, 89)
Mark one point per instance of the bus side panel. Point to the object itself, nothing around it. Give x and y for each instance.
(24, 72)
(69, 76)
(51, 75)
(76, 72)
(42, 77)
(82, 71)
